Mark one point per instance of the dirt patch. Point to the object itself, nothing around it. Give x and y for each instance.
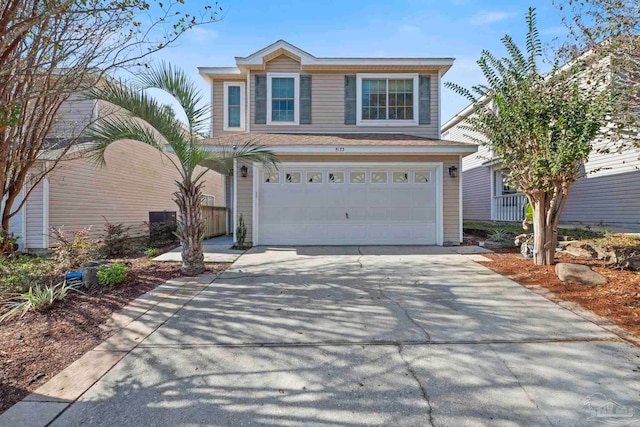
(618, 300)
(36, 347)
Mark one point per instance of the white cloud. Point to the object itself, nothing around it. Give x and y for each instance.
(201, 34)
(488, 18)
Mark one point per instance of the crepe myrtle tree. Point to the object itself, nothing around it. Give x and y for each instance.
(539, 127)
(53, 49)
(141, 118)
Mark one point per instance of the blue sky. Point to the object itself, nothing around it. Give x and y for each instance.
(457, 28)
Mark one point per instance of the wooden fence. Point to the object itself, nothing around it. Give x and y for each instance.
(215, 221)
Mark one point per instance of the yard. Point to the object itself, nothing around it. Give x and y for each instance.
(43, 341)
(618, 300)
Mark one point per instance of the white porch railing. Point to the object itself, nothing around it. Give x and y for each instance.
(509, 207)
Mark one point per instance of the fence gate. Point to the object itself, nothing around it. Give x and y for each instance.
(215, 221)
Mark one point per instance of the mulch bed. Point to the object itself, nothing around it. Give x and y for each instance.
(36, 347)
(618, 300)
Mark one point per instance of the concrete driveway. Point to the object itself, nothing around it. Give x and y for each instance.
(367, 336)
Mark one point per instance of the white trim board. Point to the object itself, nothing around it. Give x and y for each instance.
(225, 113)
(373, 149)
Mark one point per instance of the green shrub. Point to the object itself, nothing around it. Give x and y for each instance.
(241, 232)
(36, 298)
(502, 236)
(151, 252)
(19, 272)
(72, 248)
(116, 239)
(111, 275)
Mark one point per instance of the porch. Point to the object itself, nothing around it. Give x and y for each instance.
(508, 207)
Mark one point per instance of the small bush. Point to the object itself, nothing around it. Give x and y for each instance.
(151, 252)
(19, 272)
(241, 232)
(73, 248)
(111, 275)
(36, 298)
(116, 239)
(8, 243)
(502, 236)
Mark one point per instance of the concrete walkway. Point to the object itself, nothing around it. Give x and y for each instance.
(217, 249)
(352, 337)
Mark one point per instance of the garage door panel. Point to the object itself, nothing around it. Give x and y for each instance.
(345, 213)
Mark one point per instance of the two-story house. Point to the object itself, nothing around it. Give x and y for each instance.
(358, 139)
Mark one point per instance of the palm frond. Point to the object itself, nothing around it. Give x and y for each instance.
(177, 83)
(250, 151)
(104, 132)
(136, 103)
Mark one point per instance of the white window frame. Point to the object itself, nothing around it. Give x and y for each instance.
(296, 101)
(225, 125)
(416, 100)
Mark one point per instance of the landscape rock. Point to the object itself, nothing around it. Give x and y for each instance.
(579, 274)
(90, 272)
(634, 263)
(581, 250)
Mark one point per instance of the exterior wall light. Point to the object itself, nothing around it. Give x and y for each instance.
(243, 171)
(453, 171)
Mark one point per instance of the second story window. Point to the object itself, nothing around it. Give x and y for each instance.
(387, 100)
(234, 106)
(283, 92)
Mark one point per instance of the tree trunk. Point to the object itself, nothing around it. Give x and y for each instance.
(190, 227)
(544, 234)
(544, 245)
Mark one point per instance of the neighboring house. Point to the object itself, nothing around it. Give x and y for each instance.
(359, 143)
(137, 179)
(605, 194)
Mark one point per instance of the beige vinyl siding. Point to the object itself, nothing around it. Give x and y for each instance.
(327, 110)
(245, 200)
(282, 64)
(136, 179)
(34, 211)
(72, 118)
(451, 198)
(327, 105)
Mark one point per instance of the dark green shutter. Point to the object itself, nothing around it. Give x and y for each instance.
(425, 100)
(350, 105)
(261, 99)
(305, 99)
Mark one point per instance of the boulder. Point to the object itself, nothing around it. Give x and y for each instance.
(90, 271)
(634, 263)
(579, 274)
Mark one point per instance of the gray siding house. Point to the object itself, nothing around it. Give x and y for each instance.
(607, 193)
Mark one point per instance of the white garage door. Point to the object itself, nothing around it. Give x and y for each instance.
(348, 205)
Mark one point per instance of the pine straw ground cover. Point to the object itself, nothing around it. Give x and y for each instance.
(36, 347)
(618, 300)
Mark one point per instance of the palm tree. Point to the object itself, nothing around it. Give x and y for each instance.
(142, 118)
